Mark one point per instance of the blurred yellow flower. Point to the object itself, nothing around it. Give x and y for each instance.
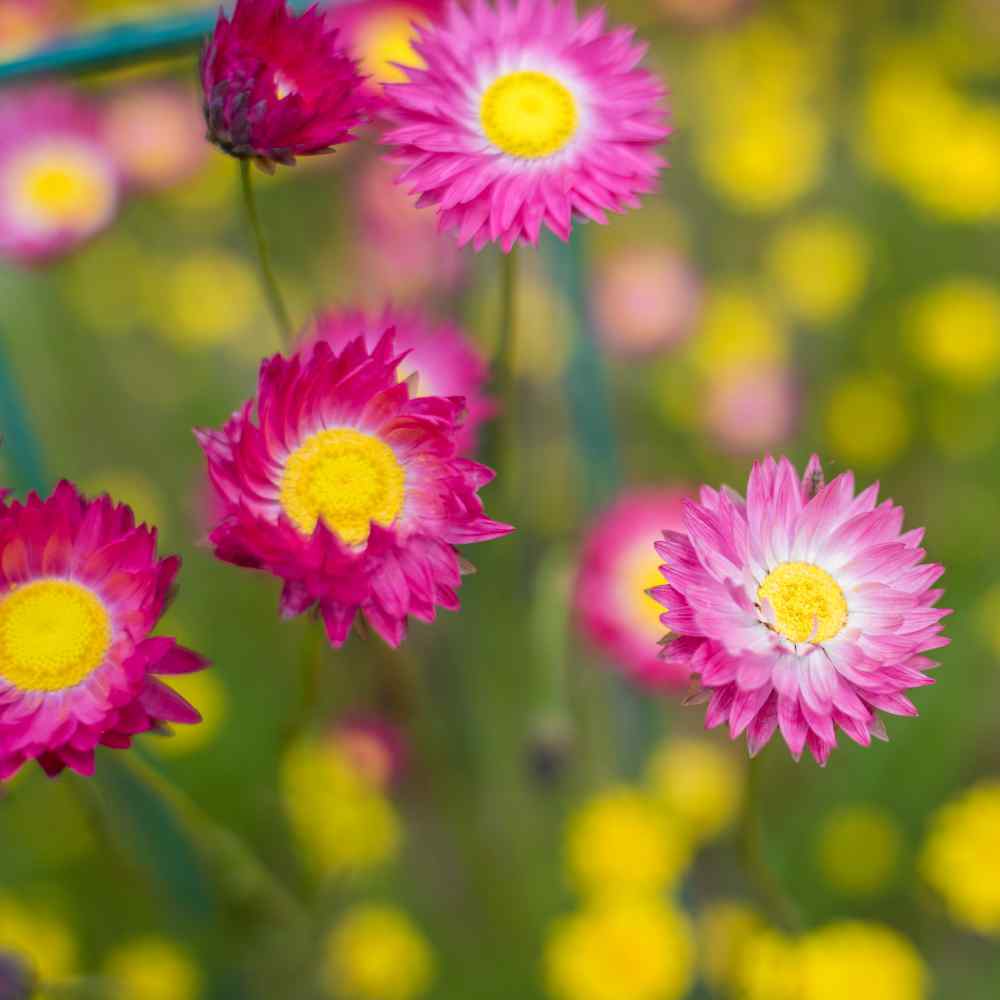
(345, 824)
(759, 156)
(737, 329)
(859, 848)
(385, 43)
(819, 265)
(206, 692)
(621, 842)
(628, 949)
(45, 942)
(960, 857)
(699, 784)
(210, 297)
(956, 331)
(863, 961)
(724, 930)
(989, 617)
(855, 959)
(376, 953)
(767, 968)
(153, 968)
(867, 421)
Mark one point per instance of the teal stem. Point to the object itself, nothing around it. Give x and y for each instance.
(122, 44)
(20, 447)
(269, 283)
(779, 905)
(242, 879)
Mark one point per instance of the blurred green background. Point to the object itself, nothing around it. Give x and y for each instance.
(817, 273)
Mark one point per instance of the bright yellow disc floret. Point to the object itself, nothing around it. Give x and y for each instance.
(528, 114)
(808, 603)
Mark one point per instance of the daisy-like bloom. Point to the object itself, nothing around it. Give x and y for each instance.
(617, 568)
(526, 115)
(277, 86)
(59, 183)
(380, 34)
(803, 607)
(156, 134)
(348, 490)
(446, 362)
(81, 588)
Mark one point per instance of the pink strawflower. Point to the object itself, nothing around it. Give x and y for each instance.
(81, 588)
(348, 490)
(28, 24)
(380, 34)
(445, 361)
(277, 86)
(400, 255)
(157, 135)
(59, 183)
(617, 568)
(524, 116)
(802, 607)
(646, 300)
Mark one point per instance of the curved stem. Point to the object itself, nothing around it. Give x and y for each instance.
(503, 367)
(766, 883)
(311, 674)
(241, 877)
(267, 279)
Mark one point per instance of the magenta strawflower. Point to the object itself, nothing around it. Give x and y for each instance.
(802, 607)
(617, 567)
(277, 86)
(523, 116)
(446, 361)
(348, 490)
(59, 183)
(81, 588)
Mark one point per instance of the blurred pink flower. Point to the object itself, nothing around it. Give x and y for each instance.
(401, 255)
(802, 607)
(526, 115)
(59, 183)
(348, 490)
(374, 746)
(618, 564)
(81, 588)
(446, 362)
(645, 300)
(277, 86)
(751, 409)
(27, 24)
(157, 135)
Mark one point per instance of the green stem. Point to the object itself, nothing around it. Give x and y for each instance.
(766, 883)
(241, 877)
(503, 366)
(267, 279)
(311, 679)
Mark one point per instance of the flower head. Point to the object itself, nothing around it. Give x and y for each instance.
(41, 941)
(376, 952)
(380, 33)
(802, 607)
(348, 490)
(960, 858)
(523, 116)
(622, 949)
(156, 134)
(153, 968)
(277, 86)
(81, 588)
(446, 362)
(376, 748)
(59, 183)
(617, 567)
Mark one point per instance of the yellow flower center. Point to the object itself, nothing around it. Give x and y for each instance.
(386, 40)
(528, 114)
(346, 477)
(64, 187)
(808, 604)
(53, 633)
(284, 86)
(640, 574)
